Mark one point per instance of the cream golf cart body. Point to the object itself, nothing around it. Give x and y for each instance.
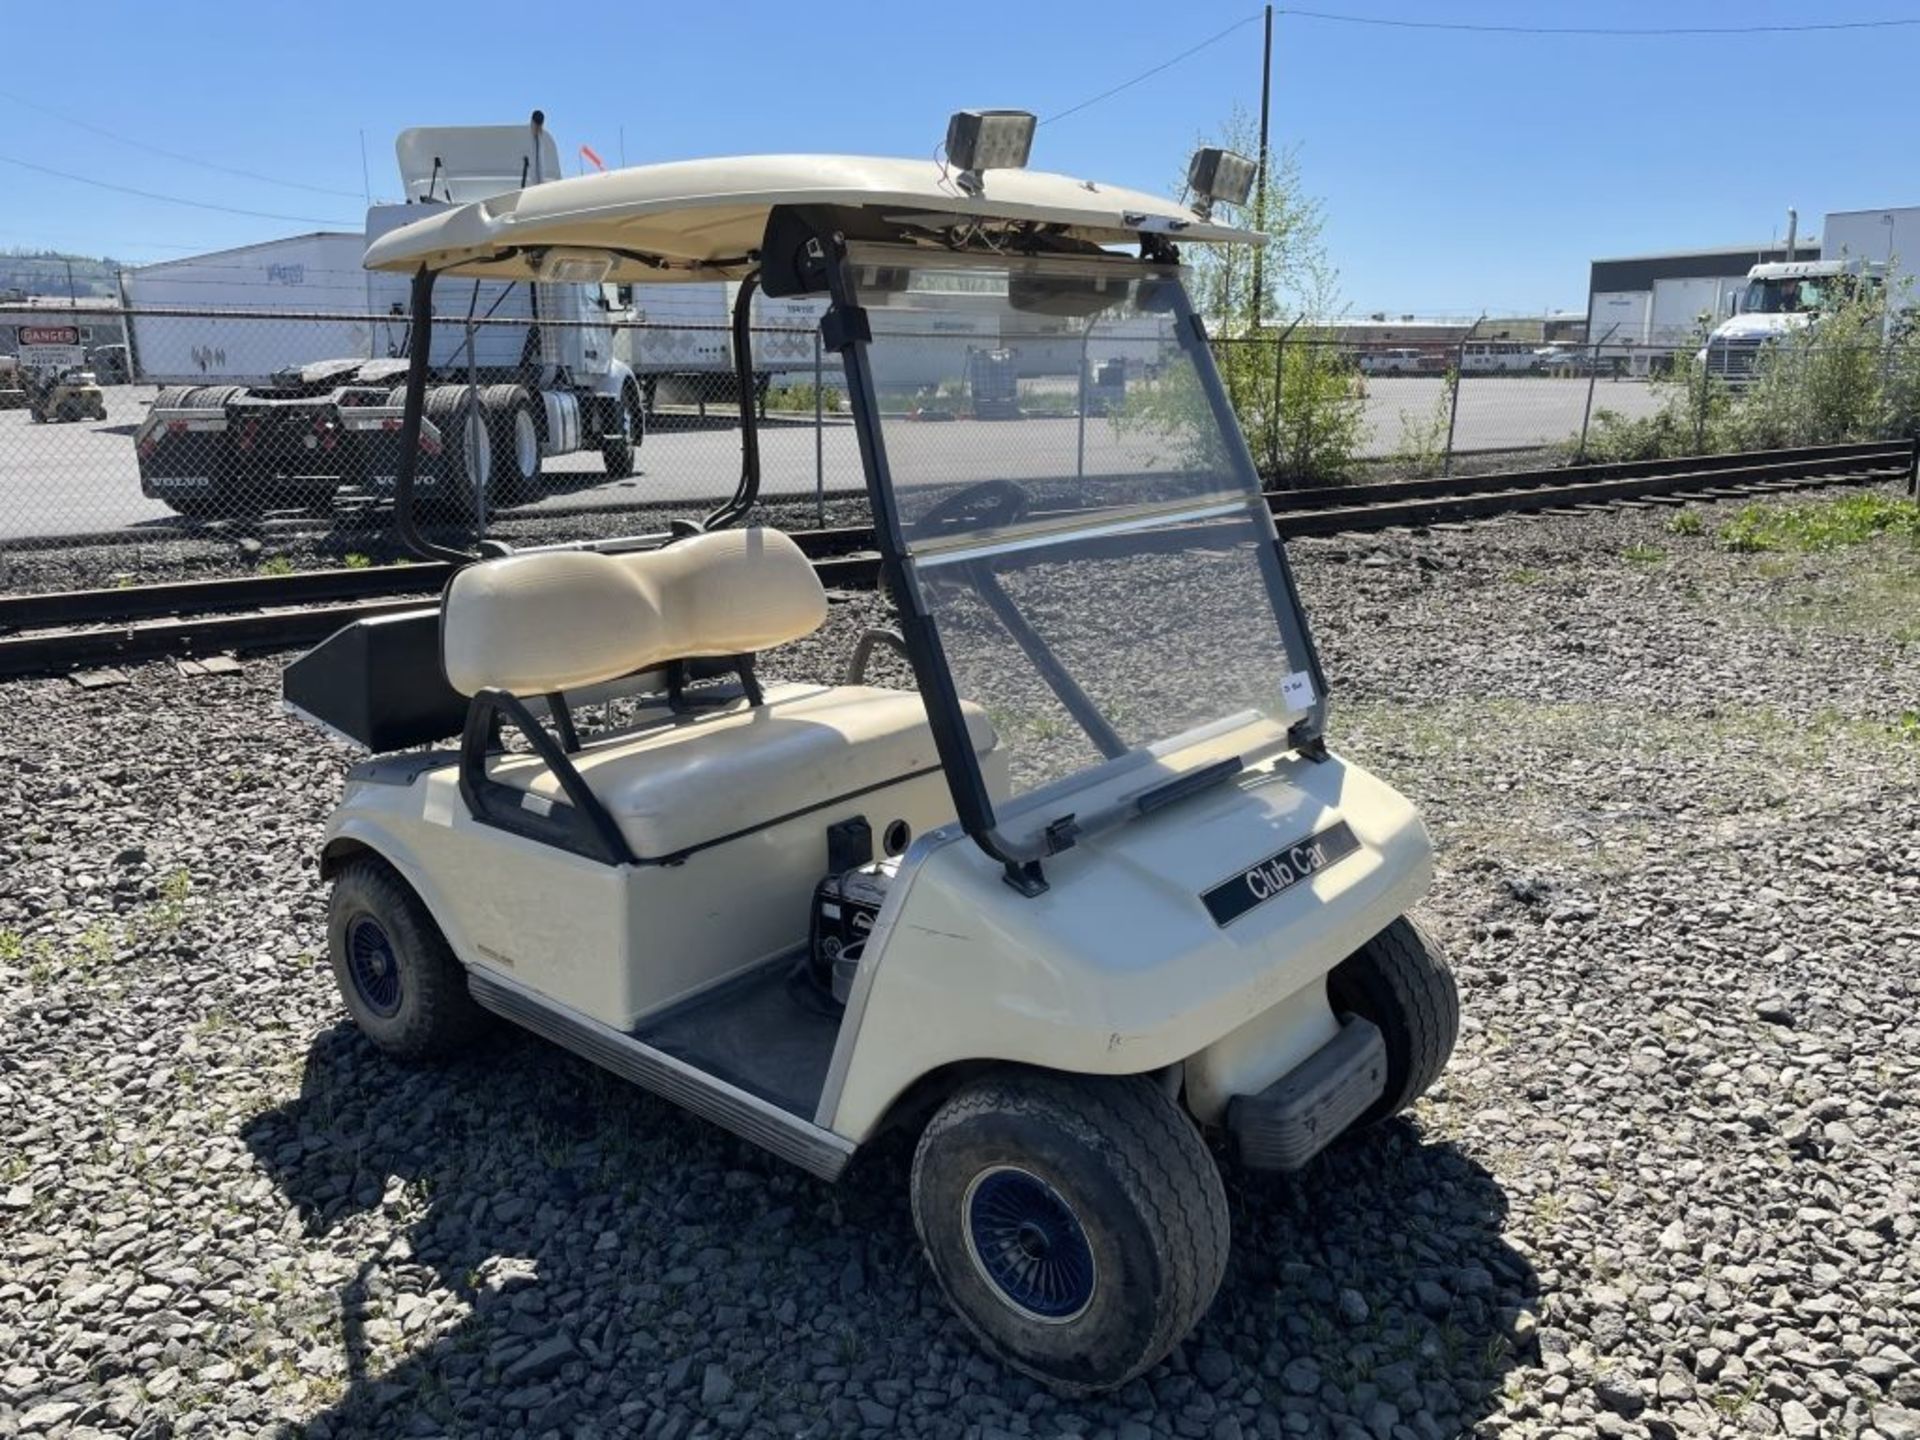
(1118, 863)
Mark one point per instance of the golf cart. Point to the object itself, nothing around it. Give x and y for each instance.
(1092, 894)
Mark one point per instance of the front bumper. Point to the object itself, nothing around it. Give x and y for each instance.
(1301, 1113)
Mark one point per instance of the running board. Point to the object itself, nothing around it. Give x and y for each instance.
(820, 1152)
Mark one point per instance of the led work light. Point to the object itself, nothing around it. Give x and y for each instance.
(1218, 174)
(980, 140)
(574, 267)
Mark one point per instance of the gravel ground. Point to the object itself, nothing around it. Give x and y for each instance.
(1667, 1187)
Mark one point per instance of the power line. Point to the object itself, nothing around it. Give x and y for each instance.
(174, 154)
(173, 199)
(1592, 30)
(1149, 74)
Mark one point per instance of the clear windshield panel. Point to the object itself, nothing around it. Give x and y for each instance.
(1117, 641)
(1081, 520)
(1075, 379)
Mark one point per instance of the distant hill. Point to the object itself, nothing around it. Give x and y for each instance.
(44, 272)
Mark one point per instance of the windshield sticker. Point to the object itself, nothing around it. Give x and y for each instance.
(1296, 691)
(1278, 873)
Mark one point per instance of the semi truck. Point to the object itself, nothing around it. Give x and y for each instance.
(1778, 299)
(520, 372)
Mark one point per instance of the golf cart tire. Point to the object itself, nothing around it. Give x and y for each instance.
(1400, 980)
(1142, 1242)
(617, 451)
(429, 1014)
(505, 407)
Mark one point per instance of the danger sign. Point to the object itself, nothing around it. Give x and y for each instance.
(49, 334)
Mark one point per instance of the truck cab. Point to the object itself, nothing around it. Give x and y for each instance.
(1777, 300)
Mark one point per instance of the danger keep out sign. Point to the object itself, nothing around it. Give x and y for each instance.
(51, 347)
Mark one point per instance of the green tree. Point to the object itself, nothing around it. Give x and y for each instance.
(1300, 404)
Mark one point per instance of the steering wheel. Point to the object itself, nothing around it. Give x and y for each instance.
(985, 506)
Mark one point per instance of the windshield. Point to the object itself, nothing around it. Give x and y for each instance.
(1080, 518)
(1797, 294)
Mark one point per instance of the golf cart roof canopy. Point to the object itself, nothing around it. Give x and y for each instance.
(704, 219)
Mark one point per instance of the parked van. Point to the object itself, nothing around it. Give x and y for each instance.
(1391, 362)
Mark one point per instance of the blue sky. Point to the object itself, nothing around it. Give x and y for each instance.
(1459, 171)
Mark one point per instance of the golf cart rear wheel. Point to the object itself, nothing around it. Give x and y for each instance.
(1400, 981)
(398, 977)
(1077, 1224)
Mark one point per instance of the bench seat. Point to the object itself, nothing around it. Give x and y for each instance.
(713, 775)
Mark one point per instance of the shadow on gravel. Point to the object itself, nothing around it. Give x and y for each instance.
(525, 1245)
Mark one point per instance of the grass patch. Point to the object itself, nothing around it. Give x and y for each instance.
(1643, 554)
(1687, 522)
(1525, 575)
(1821, 524)
(356, 561)
(276, 565)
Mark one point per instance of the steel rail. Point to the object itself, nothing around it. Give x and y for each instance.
(205, 623)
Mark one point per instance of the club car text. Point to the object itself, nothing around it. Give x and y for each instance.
(1279, 872)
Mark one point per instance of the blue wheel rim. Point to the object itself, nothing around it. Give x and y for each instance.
(373, 967)
(1028, 1244)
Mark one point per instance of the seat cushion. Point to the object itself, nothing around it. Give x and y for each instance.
(549, 620)
(714, 774)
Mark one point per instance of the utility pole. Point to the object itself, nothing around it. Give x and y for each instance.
(1260, 175)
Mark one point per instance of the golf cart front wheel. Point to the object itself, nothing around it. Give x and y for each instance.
(396, 973)
(1077, 1224)
(1400, 980)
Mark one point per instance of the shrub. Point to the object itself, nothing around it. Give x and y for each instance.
(1821, 524)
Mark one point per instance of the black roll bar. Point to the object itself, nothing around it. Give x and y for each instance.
(747, 493)
(846, 330)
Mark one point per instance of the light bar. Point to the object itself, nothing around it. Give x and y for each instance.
(1218, 174)
(574, 267)
(980, 140)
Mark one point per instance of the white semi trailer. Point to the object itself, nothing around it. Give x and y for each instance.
(220, 316)
(680, 344)
(307, 406)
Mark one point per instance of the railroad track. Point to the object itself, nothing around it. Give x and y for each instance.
(79, 629)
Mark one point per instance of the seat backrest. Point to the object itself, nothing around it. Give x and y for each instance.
(554, 620)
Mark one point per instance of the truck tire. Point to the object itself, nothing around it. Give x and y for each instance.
(229, 496)
(399, 978)
(465, 463)
(1076, 1223)
(513, 428)
(624, 429)
(1400, 981)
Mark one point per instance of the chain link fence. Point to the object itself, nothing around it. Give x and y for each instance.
(276, 419)
(181, 422)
